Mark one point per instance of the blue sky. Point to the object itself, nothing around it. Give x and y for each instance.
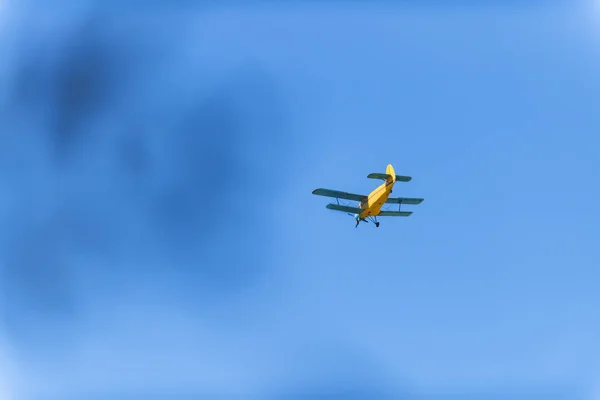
(161, 165)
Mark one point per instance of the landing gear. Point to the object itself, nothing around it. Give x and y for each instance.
(373, 220)
(366, 220)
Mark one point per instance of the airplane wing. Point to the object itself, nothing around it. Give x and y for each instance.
(351, 210)
(404, 200)
(339, 195)
(384, 177)
(394, 213)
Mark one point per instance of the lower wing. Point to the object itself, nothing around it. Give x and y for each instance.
(394, 213)
(348, 209)
(355, 210)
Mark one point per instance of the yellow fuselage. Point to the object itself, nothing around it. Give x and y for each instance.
(371, 206)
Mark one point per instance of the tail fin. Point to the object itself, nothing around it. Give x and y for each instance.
(390, 171)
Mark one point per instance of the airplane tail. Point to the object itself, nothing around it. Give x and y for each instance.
(390, 171)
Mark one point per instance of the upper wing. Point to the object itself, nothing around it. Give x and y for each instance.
(384, 177)
(404, 200)
(339, 195)
(337, 207)
(394, 213)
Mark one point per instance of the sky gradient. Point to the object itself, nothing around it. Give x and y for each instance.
(160, 235)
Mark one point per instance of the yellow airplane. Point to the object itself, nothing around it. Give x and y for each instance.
(369, 207)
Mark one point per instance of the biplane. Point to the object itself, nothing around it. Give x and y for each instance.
(369, 207)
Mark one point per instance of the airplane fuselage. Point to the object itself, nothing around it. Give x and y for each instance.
(371, 206)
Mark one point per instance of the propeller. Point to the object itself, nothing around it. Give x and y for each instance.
(355, 216)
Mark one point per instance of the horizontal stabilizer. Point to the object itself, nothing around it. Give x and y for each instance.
(376, 175)
(337, 207)
(403, 200)
(394, 213)
(339, 195)
(384, 177)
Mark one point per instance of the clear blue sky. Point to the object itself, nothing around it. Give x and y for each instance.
(161, 236)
